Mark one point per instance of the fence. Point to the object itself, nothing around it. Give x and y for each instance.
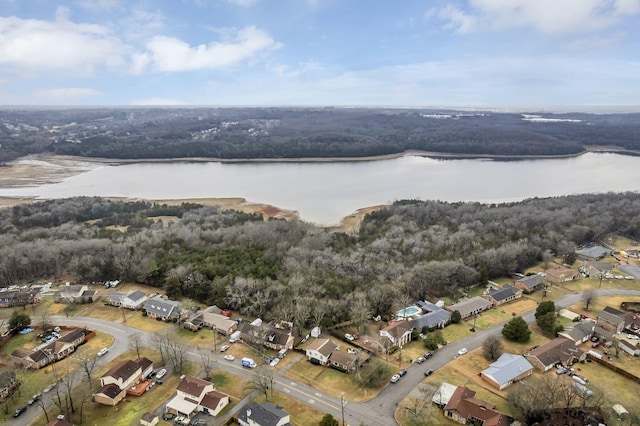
(615, 368)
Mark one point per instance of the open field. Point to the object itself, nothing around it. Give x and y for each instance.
(599, 303)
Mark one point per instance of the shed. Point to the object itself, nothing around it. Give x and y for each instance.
(149, 419)
(315, 332)
(620, 410)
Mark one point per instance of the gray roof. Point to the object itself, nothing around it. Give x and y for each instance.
(116, 296)
(503, 293)
(263, 414)
(507, 368)
(595, 252)
(611, 317)
(432, 319)
(531, 281)
(467, 306)
(136, 295)
(579, 330)
(162, 307)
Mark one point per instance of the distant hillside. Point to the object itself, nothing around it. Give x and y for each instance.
(239, 133)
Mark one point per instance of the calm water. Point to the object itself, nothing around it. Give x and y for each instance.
(325, 192)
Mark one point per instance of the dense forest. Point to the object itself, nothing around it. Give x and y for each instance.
(241, 133)
(296, 271)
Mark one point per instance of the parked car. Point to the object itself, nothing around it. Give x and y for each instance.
(229, 357)
(594, 338)
(402, 372)
(20, 411)
(462, 351)
(428, 373)
(224, 348)
(633, 337)
(161, 373)
(608, 344)
(50, 387)
(561, 370)
(421, 359)
(274, 362)
(103, 351)
(151, 374)
(34, 398)
(349, 337)
(395, 378)
(428, 355)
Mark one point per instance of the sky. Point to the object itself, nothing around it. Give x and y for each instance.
(500, 53)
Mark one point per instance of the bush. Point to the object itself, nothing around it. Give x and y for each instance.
(314, 361)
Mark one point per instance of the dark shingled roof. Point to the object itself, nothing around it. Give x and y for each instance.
(264, 414)
(111, 390)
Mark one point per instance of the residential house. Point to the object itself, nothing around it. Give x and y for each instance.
(469, 307)
(267, 335)
(578, 332)
(74, 294)
(506, 370)
(119, 378)
(263, 414)
(630, 348)
(593, 253)
(320, 350)
(503, 295)
(132, 300)
(18, 297)
(8, 384)
(561, 275)
(596, 269)
(50, 352)
(166, 310)
(195, 395)
(213, 318)
(557, 351)
(530, 283)
(194, 323)
(465, 408)
(344, 361)
(611, 320)
(434, 317)
(399, 332)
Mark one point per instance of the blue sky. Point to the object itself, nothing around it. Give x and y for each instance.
(499, 53)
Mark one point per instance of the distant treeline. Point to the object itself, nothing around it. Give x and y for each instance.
(296, 271)
(240, 133)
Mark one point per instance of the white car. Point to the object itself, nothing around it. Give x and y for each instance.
(229, 357)
(632, 337)
(395, 378)
(349, 337)
(103, 351)
(161, 374)
(274, 362)
(462, 351)
(224, 348)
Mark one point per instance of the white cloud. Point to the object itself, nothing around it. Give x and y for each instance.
(41, 46)
(158, 101)
(98, 5)
(65, 95)
(169, 54)
(545, 16)
(242, 3)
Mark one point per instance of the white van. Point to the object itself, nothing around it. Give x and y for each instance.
(249, 363)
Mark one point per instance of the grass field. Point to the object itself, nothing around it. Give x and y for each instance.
(301, 414)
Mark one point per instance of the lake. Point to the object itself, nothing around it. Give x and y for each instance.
(325, 192)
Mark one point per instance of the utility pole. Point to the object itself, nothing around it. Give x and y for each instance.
(342, 405)
(214, 338)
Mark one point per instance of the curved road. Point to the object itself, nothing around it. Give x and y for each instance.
(377, 411)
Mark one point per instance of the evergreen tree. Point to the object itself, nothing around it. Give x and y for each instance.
(516, 330)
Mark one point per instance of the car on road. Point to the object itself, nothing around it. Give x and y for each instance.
(274, 362)
(224, 348)
(229, 357)
(421, 359)
(20, 411)
(103, 351)
(349, 337)
(34, 398)
(428, 355)
(161, 373)
(462, 351)
(395, 378)
(428, 373)
(50, 387)
(402, 373)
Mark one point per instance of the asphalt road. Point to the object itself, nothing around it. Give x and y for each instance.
(377, 411)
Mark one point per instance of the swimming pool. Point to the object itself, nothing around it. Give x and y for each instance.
(409, 312)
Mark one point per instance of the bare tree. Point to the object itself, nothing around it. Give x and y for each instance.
(492, 348)
(207, 360)
(359, 310)
(88, 365)
(262, 381)
(177, 352)
(44, 321)
(136, 343)
(416, 404)
(588, 297)
(159, 343)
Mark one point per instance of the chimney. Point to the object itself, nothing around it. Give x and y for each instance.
(248, 413)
